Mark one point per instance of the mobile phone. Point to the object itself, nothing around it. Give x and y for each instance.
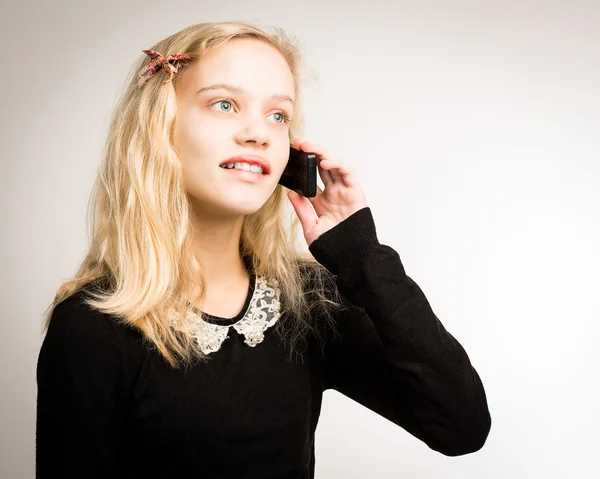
(300, 173)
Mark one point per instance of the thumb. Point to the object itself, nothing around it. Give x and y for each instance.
(304, 210)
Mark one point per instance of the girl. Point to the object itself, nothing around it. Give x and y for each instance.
(195, 340)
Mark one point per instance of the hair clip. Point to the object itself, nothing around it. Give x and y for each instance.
(158, 61)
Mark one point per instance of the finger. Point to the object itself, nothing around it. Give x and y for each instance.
(339, 172)
(303, 209)
(333, 169)
(313, 148)
(325, 176)
(322, 155)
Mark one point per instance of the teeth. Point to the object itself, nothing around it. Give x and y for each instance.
(243, 166)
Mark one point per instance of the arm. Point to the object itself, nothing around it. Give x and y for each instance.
(82, 391)
(393, 355)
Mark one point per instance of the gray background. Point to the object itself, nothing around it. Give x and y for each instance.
(474, 127)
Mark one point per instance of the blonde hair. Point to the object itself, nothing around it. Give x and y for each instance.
(139, 216)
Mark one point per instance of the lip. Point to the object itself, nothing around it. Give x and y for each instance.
(251, 160)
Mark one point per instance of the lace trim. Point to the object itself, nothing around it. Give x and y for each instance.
(263, 312)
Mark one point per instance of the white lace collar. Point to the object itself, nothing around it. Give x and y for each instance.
(262, 312)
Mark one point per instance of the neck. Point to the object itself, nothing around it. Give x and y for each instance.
(216, 246)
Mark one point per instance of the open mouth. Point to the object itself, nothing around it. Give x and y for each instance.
(244, 167)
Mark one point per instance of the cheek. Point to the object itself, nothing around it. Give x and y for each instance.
(195, 140)
(281, 156)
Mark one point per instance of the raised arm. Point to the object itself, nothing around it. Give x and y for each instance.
(394, 356)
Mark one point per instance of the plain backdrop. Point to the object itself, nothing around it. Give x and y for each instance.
(474, 128)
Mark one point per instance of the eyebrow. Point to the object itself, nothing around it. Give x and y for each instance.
(237, 89)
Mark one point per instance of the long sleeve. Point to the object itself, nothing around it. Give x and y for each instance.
(393, 355)
(82, 389)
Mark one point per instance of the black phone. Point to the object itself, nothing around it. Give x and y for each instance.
(300, 173)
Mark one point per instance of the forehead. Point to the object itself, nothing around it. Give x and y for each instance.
(250, 64)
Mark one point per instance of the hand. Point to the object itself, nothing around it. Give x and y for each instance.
(342, 197)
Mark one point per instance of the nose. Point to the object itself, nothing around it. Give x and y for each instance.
(254, 130)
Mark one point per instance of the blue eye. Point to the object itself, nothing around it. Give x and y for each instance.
(284, 117)
(223, 101)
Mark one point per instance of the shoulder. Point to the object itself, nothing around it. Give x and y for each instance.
(78, 330)
(86, 352)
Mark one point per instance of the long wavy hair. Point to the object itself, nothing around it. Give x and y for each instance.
(140, 261)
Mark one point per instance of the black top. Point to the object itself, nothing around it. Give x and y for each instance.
(110, 407)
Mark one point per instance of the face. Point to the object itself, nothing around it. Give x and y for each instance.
(234, 106)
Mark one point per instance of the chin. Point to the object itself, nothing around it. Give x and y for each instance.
(244, 207)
